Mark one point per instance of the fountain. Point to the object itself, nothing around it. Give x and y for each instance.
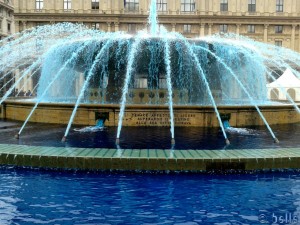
(160, 77)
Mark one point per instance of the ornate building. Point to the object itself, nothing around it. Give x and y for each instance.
(6, 29)
(6, 18)
(270, 21)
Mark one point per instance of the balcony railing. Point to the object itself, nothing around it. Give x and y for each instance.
(145, 12)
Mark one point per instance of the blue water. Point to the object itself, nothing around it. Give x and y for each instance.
(51, 197)
(154, 137)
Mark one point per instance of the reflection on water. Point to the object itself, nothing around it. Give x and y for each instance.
(155, 137)
(41, 197)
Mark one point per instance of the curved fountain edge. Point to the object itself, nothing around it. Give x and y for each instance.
(197, 116)
(98, 159)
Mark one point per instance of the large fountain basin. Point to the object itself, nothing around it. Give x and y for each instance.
(149, 115)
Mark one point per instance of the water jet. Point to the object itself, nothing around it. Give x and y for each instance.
(153, 78)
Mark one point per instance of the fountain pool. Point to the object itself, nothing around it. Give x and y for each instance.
(155, 78)
(53, 197)
(169, 88)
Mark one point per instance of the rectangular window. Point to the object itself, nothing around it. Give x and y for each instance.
(8, 28)
(278, 43)
(279, 5)
(187, 5)
(251, 28)
(223, 28)
(251, 5)
(278, 29)
(131, 5)
(141, 83)
(67, 5)
(163, 84)
(224, 5)
(95, 4)
(187, 28)
(161, 5)
(39, 5)
(96, 26)
(131, 28)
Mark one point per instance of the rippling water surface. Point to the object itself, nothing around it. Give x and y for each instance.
(155, 137)
(49, 197)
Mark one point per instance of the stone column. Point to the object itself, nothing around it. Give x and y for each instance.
(116, 26)
(81, 6)
(29, 83)
(24, 23)
(77, 85)
(178, 5)
(202, 6)
(266, 33)
(17, 77)
(109, 8)
(17, 26)
(174, 8)
(293, 36)
(266, 6)
(209, 29)
(294, 6)
(121, 5)
(209, 5)
(25, 84)
(80, 82)
(142, 7)
(299, 39)
(104, 5)
(238, 6)
(238, 29)
(173, 27)
(108, 26)
(202, 29)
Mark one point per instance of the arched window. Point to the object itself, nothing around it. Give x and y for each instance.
(292, 93)
(274, 94)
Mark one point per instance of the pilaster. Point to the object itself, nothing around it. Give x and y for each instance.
(116, 26)
(293, 36)
(266, 26)
(202, 29)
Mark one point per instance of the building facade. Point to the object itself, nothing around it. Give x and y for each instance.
(270, 21)
(6, 29)
(6, 18)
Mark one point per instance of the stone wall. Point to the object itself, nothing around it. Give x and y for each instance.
(149, 115)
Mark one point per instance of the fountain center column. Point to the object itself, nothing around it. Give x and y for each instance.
(153, 18)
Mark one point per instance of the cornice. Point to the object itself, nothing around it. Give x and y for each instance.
(139, 18)
(7, 6)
